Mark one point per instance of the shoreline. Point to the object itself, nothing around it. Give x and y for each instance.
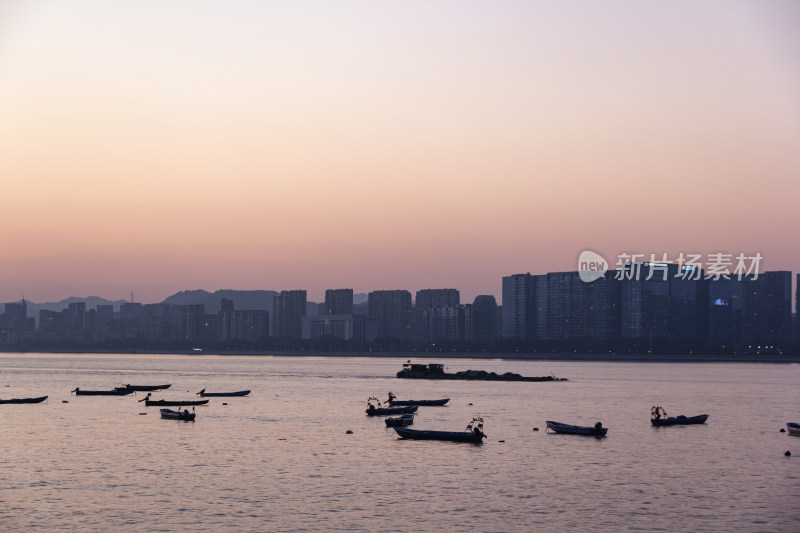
(433, 356)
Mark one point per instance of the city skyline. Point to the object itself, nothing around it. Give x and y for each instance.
(151, 148)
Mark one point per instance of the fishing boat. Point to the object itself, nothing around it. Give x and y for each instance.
(473, 433)
(793, 429)
(40, 399)
(203, 393)
(374, 408)
(400, 421)
(177, 415)
(147, 387)
(659, 417)
(174, 403)
(594, 431)
(393, 401)
(118, 391)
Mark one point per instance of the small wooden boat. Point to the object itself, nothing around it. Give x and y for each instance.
(177, 415)
(473, 433)
(594, 431)
(793, 429)
(400, 421)
(659, 417)
(118, 391)
(374, 408)
(203, 393)
(40, 399)
(393, 401)
(174, 403)
(147, 387)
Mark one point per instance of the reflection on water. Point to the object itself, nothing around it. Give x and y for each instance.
(280, 460)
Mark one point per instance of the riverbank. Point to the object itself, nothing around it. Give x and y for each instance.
(426, 357)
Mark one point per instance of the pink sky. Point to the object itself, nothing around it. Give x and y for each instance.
(155, 147)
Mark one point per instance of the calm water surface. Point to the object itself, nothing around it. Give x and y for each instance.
(280, 460)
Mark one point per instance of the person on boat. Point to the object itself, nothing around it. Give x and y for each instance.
(370, 408)
(186, 413)
(598, 426)
(657, 412)
(391, 398)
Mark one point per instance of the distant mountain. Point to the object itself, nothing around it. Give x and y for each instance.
(360, 298)
(91, 303)
(241, 299)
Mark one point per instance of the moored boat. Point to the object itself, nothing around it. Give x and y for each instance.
(118, 391)
(173, 403)
(177, 415)
(40, 399)
(147, 387)
(793, 429)
(203, 393)
(472, 434)
(400, 421)
(593, 431)
(393, 401)
(374, 408)
(659, 417)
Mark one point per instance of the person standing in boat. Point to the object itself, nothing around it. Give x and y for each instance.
(391, 398)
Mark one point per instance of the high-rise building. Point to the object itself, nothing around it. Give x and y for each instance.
(393, 309)
(570, 308)
(224, 318)
(430, 298)
(249, 324)
(339, 302)
(484, 319)
(191, 322)
(519, 314)
(766, 310)
(287, 310)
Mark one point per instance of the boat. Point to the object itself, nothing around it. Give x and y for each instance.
(173, 403)
(203, 393)
(594, 431)
(40, 399)
(659, 417)
(393, 401)
(436, 371)
(177, 415)
(118, 391)
(473, 433)
(793, 429)
(147, 387)
(400, 421)
(374, 408)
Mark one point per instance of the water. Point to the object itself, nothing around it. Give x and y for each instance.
(280, 460)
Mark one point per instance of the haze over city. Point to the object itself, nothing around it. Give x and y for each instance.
(158, 147)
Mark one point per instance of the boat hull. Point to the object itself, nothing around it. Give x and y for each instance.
(382, 411)
(147, 388)
(40, 399)
(452, 436)
(793, 429)
(400, 421)
(224, 394)
(678, 421)
(176, 415)
(119, 391)
(428, 403)
(589, 431)
(175, 403)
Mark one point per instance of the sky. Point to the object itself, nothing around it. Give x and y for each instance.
(158, 146)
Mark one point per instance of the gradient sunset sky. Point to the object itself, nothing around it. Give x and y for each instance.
(159, 146)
